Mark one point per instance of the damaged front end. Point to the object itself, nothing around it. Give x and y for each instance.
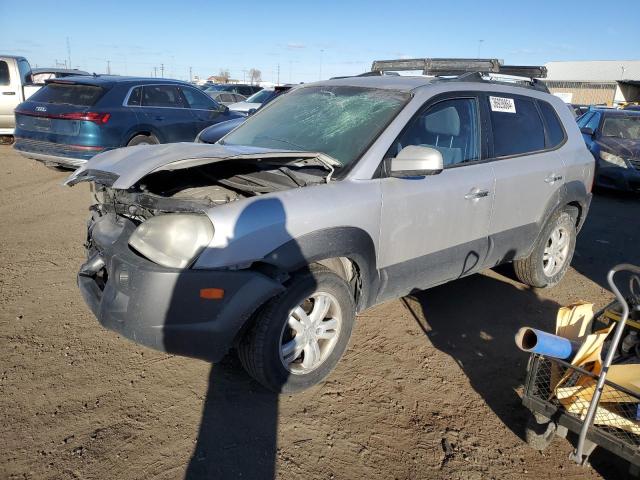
(145, 234)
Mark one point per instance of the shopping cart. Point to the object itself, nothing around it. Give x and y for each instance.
(610, 417)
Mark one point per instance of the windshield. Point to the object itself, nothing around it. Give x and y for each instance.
(338, 121)
(622, 127)
(260, 97)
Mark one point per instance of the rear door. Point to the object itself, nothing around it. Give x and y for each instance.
(204, 110)
(529, 173)
(434, 228)
(164, 107)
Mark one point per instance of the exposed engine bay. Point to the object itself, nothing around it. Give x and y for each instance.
(196, 188)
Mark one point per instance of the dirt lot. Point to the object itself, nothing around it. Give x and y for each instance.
(435, 372)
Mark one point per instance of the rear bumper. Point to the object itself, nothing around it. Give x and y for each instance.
(56, 153)
(624, 179)
(161, 307)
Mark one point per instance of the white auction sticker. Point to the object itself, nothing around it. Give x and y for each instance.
(500, 104)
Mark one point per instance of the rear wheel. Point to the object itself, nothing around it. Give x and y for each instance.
(299, 336)
(143, 140)
(552, 254)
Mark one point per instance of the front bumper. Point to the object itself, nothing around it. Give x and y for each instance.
(161, 307)
(625, 179)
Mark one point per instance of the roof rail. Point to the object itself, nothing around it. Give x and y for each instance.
(458, 66)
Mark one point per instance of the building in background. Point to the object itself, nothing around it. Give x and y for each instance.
(609, 82)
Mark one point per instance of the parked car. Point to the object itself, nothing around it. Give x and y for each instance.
(226, 98)
(16, 85)
(274, 238)
(258, 99)
(70, 120)
(579, 109)
(613, 138)
(242, 89)
(215, 132)
(39, 75)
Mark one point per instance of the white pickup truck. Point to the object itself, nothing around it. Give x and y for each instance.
(15, 87)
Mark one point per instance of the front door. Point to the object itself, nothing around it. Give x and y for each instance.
(434, 228)
(164, 107)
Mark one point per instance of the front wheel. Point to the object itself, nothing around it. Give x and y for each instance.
(299, 336)
(552, 254)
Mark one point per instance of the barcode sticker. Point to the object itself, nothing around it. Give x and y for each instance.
(500, 104)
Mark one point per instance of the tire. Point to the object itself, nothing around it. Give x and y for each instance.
(535, 269)
(143, 140)
(539, 435)
(261, 349)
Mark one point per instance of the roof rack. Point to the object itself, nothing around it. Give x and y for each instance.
(458, 66)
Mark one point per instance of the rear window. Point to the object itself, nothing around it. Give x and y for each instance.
(71, 94)
(517, 126)
(555, 133)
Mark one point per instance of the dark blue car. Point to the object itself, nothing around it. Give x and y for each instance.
(70, 120)
(613, 138)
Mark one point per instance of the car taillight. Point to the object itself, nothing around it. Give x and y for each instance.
(95, 117)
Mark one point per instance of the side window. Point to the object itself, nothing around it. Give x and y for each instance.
(555, 132)
(135, 97)
(4, 73)
(451, 127)
(517, 126)
(161, 96)
(25, 71)
(582, 121)
(593, 121)
(198, 100)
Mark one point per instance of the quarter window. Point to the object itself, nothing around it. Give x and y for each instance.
(450, 126)
(555, 133)
(162, 96)
(135, 97)
(517, 127)
(4, 73)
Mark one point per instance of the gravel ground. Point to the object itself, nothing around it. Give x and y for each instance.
(429, 387)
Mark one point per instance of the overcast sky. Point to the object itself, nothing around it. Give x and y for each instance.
(309, 40)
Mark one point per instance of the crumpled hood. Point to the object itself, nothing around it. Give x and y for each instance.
(620, 146)
(123, 167)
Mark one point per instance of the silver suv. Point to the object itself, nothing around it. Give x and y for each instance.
(337, 196)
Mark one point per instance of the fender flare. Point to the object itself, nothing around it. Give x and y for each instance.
(350, 242)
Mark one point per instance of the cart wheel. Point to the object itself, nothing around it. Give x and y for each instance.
(539, 432)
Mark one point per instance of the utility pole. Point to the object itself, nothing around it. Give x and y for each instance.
(162, 70)
(278, 82)
(244, 76)
(190, 74)
(155, 72)
(108, 67)
(69, 52)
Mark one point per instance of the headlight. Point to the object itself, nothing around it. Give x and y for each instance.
(174, 239)
(613, 159)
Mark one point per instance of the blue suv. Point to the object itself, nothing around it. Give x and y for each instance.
(70, 120)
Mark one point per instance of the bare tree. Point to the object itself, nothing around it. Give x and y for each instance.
(224, 75)
(255, 76)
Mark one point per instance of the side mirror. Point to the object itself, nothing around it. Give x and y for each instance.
(251, 111)
(587, 131)
(416, 161)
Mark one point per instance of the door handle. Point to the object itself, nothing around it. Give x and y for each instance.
(553, 178)
(476, 194)
(8, 93)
